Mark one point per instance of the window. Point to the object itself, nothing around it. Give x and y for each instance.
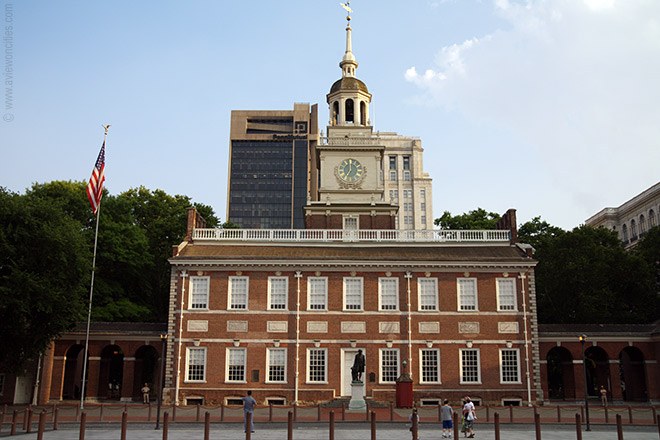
(506, 294)
(199, 293)
(429, 363)
(407, 193)
(624, 232)
(428, 293)
(392, 175)
(422, 206)
(238, 293)
(406, 163)
(389, 365)
(423, 219)
(278, 288)
(470, 369)
(651, 218)
(467, 293)
(642, 224)
(352, 293)
(317, 293)
(394, 196)
(422, 194)
(388, 294)
(317, 365)
(195, 364)
(407, 206)
(236, 364)
(351, 223)
(392, 162)
(406, 175)
(509, 366)
(408, 220)
(633, 230)
(276, 359)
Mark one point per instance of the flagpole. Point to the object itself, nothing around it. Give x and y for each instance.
(91, 294)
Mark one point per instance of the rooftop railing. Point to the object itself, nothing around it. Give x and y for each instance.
(345, 235)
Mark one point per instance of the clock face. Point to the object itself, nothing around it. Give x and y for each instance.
(350, 170)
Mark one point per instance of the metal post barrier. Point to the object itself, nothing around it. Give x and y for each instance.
(83, 421)
(42, 425)
(149, 413)
(248, 425)
(657, 422)
(455, 416)
(366, 411)
(331, 426)
(55, 418)
(619, 428)
(487, 413)
(653, 411)
(415, 426)
(101, 413)
(207, 425)
(343, 411)
(537, 425)
(124, 421)
(318, 417)
(270, 411)
(289, 426)
(25, 416)
(222, 412)
(630, 416)
(14, 417)
(391, 411)
(197, 414)
(607, 416)
(166, 425)
(578, 426)
(77, 411)
(510, 413)
(581, 412)
(440, 413)
(174, 413)
(295, 411)
(28, 427)
(373, 425)
(496, 423)
(558, 414)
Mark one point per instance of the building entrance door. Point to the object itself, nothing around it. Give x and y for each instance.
(348, 357)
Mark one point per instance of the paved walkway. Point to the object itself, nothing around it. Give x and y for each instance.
(343, 431)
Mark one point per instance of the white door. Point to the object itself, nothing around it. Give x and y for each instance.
(23, 392)
(348, 357)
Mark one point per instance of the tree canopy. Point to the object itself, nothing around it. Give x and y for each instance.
(46, 245)
(476, 219)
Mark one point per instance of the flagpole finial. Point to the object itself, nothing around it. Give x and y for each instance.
(106, 127)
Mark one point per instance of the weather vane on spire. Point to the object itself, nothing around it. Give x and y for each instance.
(347, 6)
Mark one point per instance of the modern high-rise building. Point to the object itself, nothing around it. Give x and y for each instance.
(269, 156)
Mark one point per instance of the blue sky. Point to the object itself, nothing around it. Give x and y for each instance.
(549, 107)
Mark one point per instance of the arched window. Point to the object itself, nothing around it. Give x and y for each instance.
(335, 112)
(633, 230)
(363, 113)
(350, 113)
(642, 224)
(652, 218)
(624, 232)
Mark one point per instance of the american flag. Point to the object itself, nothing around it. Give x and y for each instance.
(95, 185)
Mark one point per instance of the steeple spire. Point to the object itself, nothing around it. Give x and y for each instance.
(348, 63)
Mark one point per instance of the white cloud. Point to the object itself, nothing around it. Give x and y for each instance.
(577, 82)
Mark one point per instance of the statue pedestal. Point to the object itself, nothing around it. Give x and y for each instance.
(357, 396)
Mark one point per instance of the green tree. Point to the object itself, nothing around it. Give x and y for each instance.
(538, 232)
(44, 259)
(585, 276)
(476, 219)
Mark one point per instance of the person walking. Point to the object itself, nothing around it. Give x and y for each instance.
(248, 408)
(447, 414)
(470, 416)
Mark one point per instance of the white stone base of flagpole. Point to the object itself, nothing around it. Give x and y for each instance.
(357, 396)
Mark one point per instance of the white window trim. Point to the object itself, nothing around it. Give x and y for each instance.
(380, 294)
(309, 291)
(460, 366)
(325, 373)
(380, 365)
(190, 292)
(268, 351)
(230, 292)
(227, 351)
(515, 294)
(421, 376)
(187, 370)
(344, 308)
(350, 217)
(421, 281)
(458, 295)
(286, 299)
(519, 381)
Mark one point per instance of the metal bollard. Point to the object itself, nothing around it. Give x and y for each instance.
(510, 413)
(101, 413)
(487, 413)
(29, 420)
(207, 425)
(318, 417)
(295, 411)
(537, 425)
(197, 414)
(366, 411)
(124, 421)
(558, 414)
(343, 411)
(415, 425)
(331, 427)
(289, 426)
(55, 418)
(619, 428)
(166, 425)
(174, 413)
(440, 413)
(222, 412)
(630, 416)
(83, 421)
(391, 411)
(455, 416)
(42, 425)
(14, 417)
(248, 425)
(373, 425)
(270, 411)
(149, 413)
(496, 423)
(607, 416)
(578, 426)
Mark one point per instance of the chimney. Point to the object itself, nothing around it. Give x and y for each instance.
(508, 222)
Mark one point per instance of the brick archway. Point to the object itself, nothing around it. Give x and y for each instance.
(561, 379)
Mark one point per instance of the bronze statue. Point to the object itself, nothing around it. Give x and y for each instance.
(358, 367)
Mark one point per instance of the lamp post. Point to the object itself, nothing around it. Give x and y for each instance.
(583, 339)
(163, 340)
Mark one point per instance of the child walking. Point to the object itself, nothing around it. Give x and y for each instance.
(447, 419)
